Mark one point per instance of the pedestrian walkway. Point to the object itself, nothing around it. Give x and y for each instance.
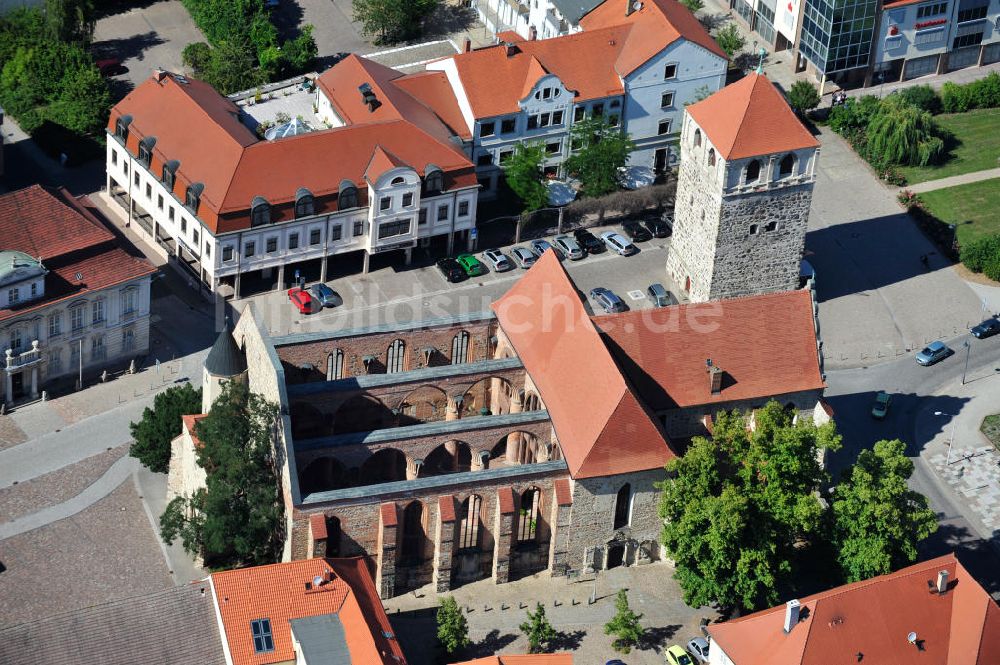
(954, 181)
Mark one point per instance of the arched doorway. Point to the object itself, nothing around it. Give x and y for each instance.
(362, 413)
(386, 466)
(322, 475)
(488, 396)
(423, 405)
(449, 457)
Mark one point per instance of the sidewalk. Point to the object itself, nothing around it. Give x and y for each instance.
(953, 181)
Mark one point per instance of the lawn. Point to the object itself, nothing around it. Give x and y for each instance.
(976, 146)
(972, 207)
(991, 428)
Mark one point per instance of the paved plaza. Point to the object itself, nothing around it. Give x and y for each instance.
(495, 612)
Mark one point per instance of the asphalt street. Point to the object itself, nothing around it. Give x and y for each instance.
(921, 409)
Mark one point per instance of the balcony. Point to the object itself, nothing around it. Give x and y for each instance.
(18, 361)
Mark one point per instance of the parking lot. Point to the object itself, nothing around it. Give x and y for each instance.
(420, 292)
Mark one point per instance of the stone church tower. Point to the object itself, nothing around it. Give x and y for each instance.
(743, 194)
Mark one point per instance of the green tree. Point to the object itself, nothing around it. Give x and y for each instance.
(693, 5)
(730, 39)
(452, 628)
(390, 21)
(197, 56)
(901, 133)
(538, 630)
(83, 101)
(523, 173)
(233, 67)
(803, 96)
(301, 51)
(878, 519)
(237, 519)
(624, 625)
(600, 150)
(739, 502)
(69, 20)
(160, 425)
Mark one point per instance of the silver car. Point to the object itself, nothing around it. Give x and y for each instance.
(497, 260)
(698, 647)
(523, 257)
(616, 242)
(570, 247)
(539, 247)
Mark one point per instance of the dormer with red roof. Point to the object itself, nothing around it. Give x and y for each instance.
(743, 194)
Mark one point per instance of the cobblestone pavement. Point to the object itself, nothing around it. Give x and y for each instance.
(106, 552)
(495, 611)
(975, 475)
(52, 488)
(10, 433)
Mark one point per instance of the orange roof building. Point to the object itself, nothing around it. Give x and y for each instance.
(313, 611)
(518, 659)
(933, 612)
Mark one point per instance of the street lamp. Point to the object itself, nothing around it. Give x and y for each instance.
(968, 351)
(951, 439)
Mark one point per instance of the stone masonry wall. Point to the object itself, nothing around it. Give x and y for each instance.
(696, 219)
(751, 263)
(688, 422)
(593, 519)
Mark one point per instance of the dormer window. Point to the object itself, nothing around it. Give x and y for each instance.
(192, 197)
(263, 638)
(146, 150)
(170, 173)
(305, 204)
(433, 180)
(260, 211)
(348, 197)
(121, 128)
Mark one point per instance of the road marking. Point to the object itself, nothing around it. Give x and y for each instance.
(636, 295)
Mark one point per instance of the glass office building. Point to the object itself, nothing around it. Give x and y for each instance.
(837, 34)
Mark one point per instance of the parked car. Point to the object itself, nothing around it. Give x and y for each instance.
(636, 231)
(617, 243)
(987, 328)
(303, 301)
(932, 353)
(660, 296)
(497, 260)
(657, 227)
(589, 241)
(451, 270)
(325, 296)
(471, 265)
(698, 647)
(569, 247)
(110, 66)
(523, 257)
(676, 655)
(539, 247)
(608, 300)
(881, 406)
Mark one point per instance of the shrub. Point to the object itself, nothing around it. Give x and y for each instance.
(803, 96)
(908, 199)
(923, 97)
(197, 56)
(981, 94)
(954, 98)
(983, 255)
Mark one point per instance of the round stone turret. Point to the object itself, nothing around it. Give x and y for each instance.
(225, 362)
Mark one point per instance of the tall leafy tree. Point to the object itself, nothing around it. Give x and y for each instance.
(878, 520)
(730, 39)
(538, 630)
(624, 625)
(600, 150)
(523, 173)
(803, 96)
(452, 627)
(901, 133)
(738, 503)
(83, 101)
(389, 21)
(237, 518)
(158, 426)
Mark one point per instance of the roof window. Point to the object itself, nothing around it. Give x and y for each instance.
(263, 639)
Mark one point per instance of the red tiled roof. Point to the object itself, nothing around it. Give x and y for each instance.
(602, 427)
(533, 659)
(873, 618)
(494, 82)
(278, 592)
(446, 508)
(80, 254)
(381, 162)
(563, 496)
(749, 118)
(200, 128)
(189, 422)
(655, 25)
(317, 523)
(433, 91)
(766, 345)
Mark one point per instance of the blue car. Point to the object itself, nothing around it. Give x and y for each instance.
(933, 352)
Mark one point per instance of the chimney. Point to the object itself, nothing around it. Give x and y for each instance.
(714, 377)
(532, 33)
(159, 74)
(942, 581)
(632, 6)
(510, 48)
(467, 45)
(791, 614)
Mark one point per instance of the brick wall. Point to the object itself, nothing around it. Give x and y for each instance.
(688, 422)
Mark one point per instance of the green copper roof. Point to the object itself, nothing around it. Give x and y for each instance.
(18, 266)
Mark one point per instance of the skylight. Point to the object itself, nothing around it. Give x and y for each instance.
(263, 641)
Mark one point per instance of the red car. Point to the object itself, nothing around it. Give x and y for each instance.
(110, 66)
(303, 302)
